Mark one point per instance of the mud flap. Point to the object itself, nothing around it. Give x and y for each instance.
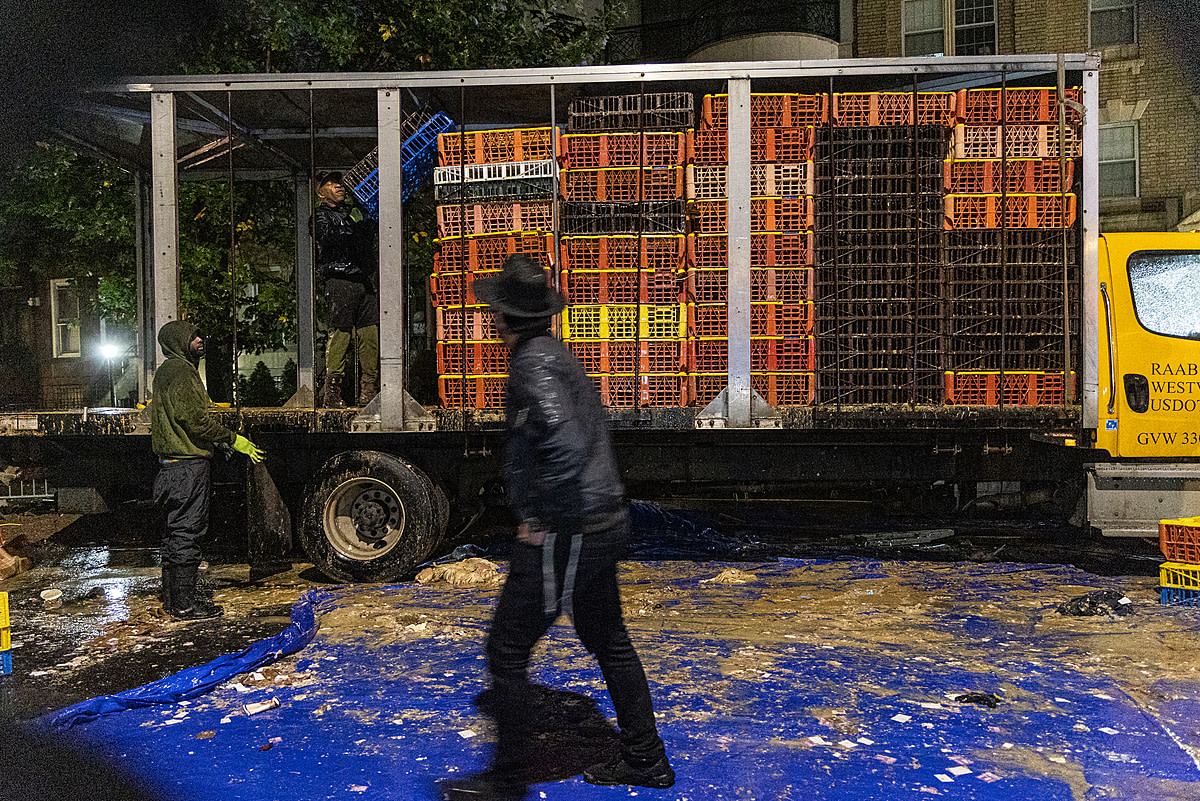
(268, 524)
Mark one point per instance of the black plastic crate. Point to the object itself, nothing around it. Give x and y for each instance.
(650, 217)
(655, 111)
(510, 189)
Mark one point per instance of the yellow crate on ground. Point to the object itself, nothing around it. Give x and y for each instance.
(1179, 576)
(4, 610)
(5, 638)
(625, 321)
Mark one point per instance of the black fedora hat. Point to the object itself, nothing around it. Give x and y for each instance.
(520, 290)
(327, 176)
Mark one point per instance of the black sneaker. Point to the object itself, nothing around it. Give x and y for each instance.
(485, 786)
(617, 771)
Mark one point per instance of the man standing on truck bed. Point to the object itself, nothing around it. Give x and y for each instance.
(343, 260)
(563, 485)
(182, 434)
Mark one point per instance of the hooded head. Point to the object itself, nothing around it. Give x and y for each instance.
(175, 338)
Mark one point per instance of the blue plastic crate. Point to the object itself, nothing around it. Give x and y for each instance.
(5, 663)
(418, 154)
(1177, 596)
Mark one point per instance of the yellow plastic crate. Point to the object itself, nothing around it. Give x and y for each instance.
(4, 610)
(5, 639)
(1179, 576)
(625, 321)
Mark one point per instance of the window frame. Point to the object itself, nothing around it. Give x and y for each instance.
(949, 29)
(1128, 3)
(58, 327)
(1137, 159)
(904, 32)
(1143, 254)
(953, 5)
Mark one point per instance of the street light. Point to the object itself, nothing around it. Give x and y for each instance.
(110, 351)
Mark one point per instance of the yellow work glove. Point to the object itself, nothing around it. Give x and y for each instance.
(243, 445)
(356, 215)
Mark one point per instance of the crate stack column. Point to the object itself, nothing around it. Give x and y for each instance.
(1008, 201)
(6, 666)
(781, 252)
(1179, 576)
(623, 253)
(494, 189)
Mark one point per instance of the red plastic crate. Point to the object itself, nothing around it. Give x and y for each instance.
(782, 110)
(626, 391)
(480, 253)
(1025, 104)
(711, 320)
(785, 389)
(624, 286)
(472, 392)
(482, 358)
(472, 323)
(629, 252)
(767, 214)
(1022, 176)
(1019, 388)
(711, 251)
(597, 150)
(1021, 141)
(495, 146)
(494, 218)
(1020, 211)
(1179, 539)
(858, 109)
(621, 184)
(710, 146)
(628, 356)
(767, 285)
(766, 180)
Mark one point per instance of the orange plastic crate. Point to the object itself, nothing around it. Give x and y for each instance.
(1025, 104)
(597, 150)
(859, 109)
(628, 356)
(1021, 141)
(766, 180)
(626, 391)
(709, 320)
(623, 184)
(794, 354)
(624, 286)
(1032, 388)
(1022, 176)
(767, 285)
(456, 289)
(627, 252)
(1019, 211)
(494, 218)
(710, 146)
(1179, 539)
(476, 323)
(785, 389)
(472, 392)
(481, 358)
(495, 146)
(489, 252)
(768, 110)
(711, 251)
(792, 214)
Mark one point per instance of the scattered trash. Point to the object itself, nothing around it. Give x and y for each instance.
(51, 599)
(959, 770)
(466, 734)
(730, 576)
(226, 720)
(459, 554)
(266, 747)
(887, 760)
(902, 718)
(206, 735)
(1109, 730)
(1097, 602)
(260, 706)
(275, 740)
(473, 572)
(989, 700)
(988, 777)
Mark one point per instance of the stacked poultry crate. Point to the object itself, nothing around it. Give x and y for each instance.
(495, 192)
(879, 165)
(622, 262)
(782, 352)
(417, 155)
(1012, 247)
(1179, 576)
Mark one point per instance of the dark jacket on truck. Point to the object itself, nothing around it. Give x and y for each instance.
(181, 426)
(343, 245)
(560, 467)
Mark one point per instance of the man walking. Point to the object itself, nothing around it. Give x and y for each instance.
(343, 256)
(563, 485)
(182, 434)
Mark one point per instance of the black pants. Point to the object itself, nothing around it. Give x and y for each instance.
(351, 304)
(181, 490)
(521, 619)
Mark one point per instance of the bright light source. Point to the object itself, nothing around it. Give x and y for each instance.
(110, 350)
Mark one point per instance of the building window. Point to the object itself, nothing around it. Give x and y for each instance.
(64, 310)
(1113, 22)
(972, 34)
(1119, 160)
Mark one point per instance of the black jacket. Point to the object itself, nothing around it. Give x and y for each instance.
(343, 246)
(559, 462)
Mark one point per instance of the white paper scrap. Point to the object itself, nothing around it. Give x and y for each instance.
(988, 777)
(1007, 745)
(226, 720)
(866, 741)
(1109, 730)
(1104, 697)
(1060, 760)
(959, 770)
(942, 777)
(902, 718)
(885, 759)
(818, 740)
(847, 744)
(929, 705)
(1061, 700)
(466, 734)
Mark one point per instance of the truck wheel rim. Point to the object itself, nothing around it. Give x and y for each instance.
(364, 519)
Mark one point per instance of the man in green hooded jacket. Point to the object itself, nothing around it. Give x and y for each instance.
(183, 434)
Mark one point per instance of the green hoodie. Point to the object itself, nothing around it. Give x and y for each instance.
(180, 425)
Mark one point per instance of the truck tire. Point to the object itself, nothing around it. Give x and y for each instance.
(369, 516)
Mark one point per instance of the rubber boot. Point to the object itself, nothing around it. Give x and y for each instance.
(185, 605)
(368, 362)
(164, 592)
(332, 398)
(369, 389)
